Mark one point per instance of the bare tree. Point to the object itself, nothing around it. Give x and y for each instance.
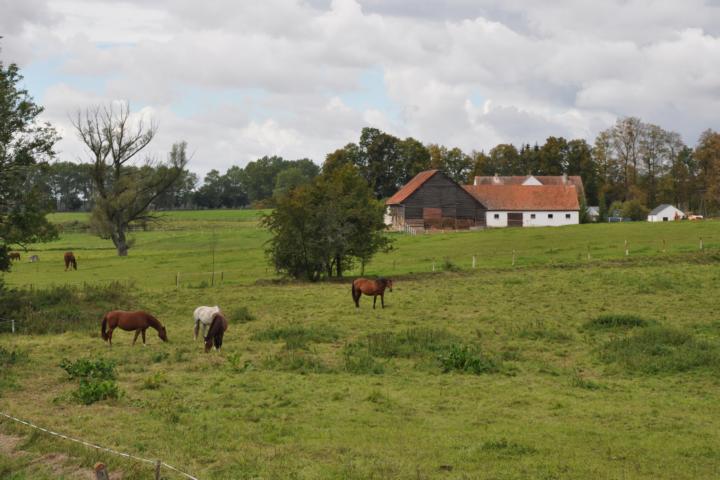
(124, 191)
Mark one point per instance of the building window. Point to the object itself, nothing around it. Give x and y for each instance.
(532, 215)
(550, 215)
(497, 216)
(567, 215)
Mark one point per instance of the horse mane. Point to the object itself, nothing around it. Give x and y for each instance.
(154, 322)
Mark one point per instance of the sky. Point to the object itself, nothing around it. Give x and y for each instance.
(239, 80)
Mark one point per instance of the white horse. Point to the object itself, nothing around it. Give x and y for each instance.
(205, 316)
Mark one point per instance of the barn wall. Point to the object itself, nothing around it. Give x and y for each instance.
(441, 192)
(541, 219)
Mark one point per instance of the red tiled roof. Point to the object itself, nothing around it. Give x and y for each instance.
(410, 187)
(526, 197)
(575, 180)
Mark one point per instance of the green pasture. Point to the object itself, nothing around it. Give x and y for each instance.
(557, 368)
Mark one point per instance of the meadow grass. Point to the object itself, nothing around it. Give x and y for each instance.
(552, 369)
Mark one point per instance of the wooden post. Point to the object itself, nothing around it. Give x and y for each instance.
(158, 464)
(177, 280)
(588, 252)
(101, 472)
(12, 325)
(513, 260)
(701, 243)
(664, 246)
(433, 266)
(474, 261)
(627, 250)
(222, 277)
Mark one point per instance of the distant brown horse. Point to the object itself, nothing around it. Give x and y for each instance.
(70, 261)
(215, 335)
(129, 321)
(370, 287)
(14, 255)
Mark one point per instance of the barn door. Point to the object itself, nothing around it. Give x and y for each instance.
(515, 219)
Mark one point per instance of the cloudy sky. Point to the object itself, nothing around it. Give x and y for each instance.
(300, 78)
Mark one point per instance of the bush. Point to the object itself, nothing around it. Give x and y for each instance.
(96, 379)
(90, 392)
(616, 322)
(656, 350)
(635, 210)
(466, 359)
(100, 369)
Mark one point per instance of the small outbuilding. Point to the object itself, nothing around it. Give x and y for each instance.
(665, 213)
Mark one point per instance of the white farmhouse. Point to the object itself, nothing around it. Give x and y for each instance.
(665, 213)
(528, 205)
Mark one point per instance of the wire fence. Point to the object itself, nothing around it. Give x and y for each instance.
(129, 456)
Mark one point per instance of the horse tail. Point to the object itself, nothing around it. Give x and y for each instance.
(103, 329)
(353, 289)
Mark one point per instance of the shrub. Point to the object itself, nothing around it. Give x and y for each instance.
(90, 392)
(659, 349)
(616, 322)
(96, 379)
(449, 266)
(297, 336)
(466, 359)
(241, 315)
(100, 369)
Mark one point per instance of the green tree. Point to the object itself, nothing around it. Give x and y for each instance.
(289, 179)
(707, 154)
(25, 147)
(124, 193)
(322, 228)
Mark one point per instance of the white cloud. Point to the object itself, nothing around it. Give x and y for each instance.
(273, 77)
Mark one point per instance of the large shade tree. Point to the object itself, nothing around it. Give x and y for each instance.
(26, 145)
(123, 192)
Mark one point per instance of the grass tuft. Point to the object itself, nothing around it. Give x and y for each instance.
(617, 322)
(466, 359)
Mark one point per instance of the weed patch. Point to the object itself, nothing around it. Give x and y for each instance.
(241, 315)
(505, 448)
(413, 342)
(96, 379)
(361, 362)
(658, 350)
(467, 360)
(297, 336)
(617, 322)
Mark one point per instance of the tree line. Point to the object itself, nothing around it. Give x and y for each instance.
(630, 161)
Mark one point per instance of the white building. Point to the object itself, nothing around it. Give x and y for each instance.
(528, 205)
(665, 213)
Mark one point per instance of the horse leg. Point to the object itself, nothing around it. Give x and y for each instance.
(374, 300)
(109, 334)
(143, 335)
(137, 332)
(382, 299)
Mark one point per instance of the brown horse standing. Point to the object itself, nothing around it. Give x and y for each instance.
(129, 321)
(14, 256)
(70, 261)
(370, 287)
(215, 335)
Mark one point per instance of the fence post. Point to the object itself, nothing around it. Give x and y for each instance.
(212, 279)
(433, 267)
(627, 250)
(158, 463)
(12, 325)
(222, 277)
(701, 243)
(101, 472)
(513, 259)
(664, 246)
(474, 261)
(177, 280)
(588, 252)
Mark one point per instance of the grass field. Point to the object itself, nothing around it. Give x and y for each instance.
(558, 368)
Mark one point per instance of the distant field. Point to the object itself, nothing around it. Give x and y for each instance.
(558, 368)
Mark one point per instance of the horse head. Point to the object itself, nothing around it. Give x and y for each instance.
(388, 283)
(162, 333)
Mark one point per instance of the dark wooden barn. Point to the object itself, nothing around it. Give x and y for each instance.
(433, 200)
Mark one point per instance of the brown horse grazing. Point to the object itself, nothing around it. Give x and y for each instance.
(215, 335)
(129, 321)
(70, 261)
(14, 256)
(370, 287)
